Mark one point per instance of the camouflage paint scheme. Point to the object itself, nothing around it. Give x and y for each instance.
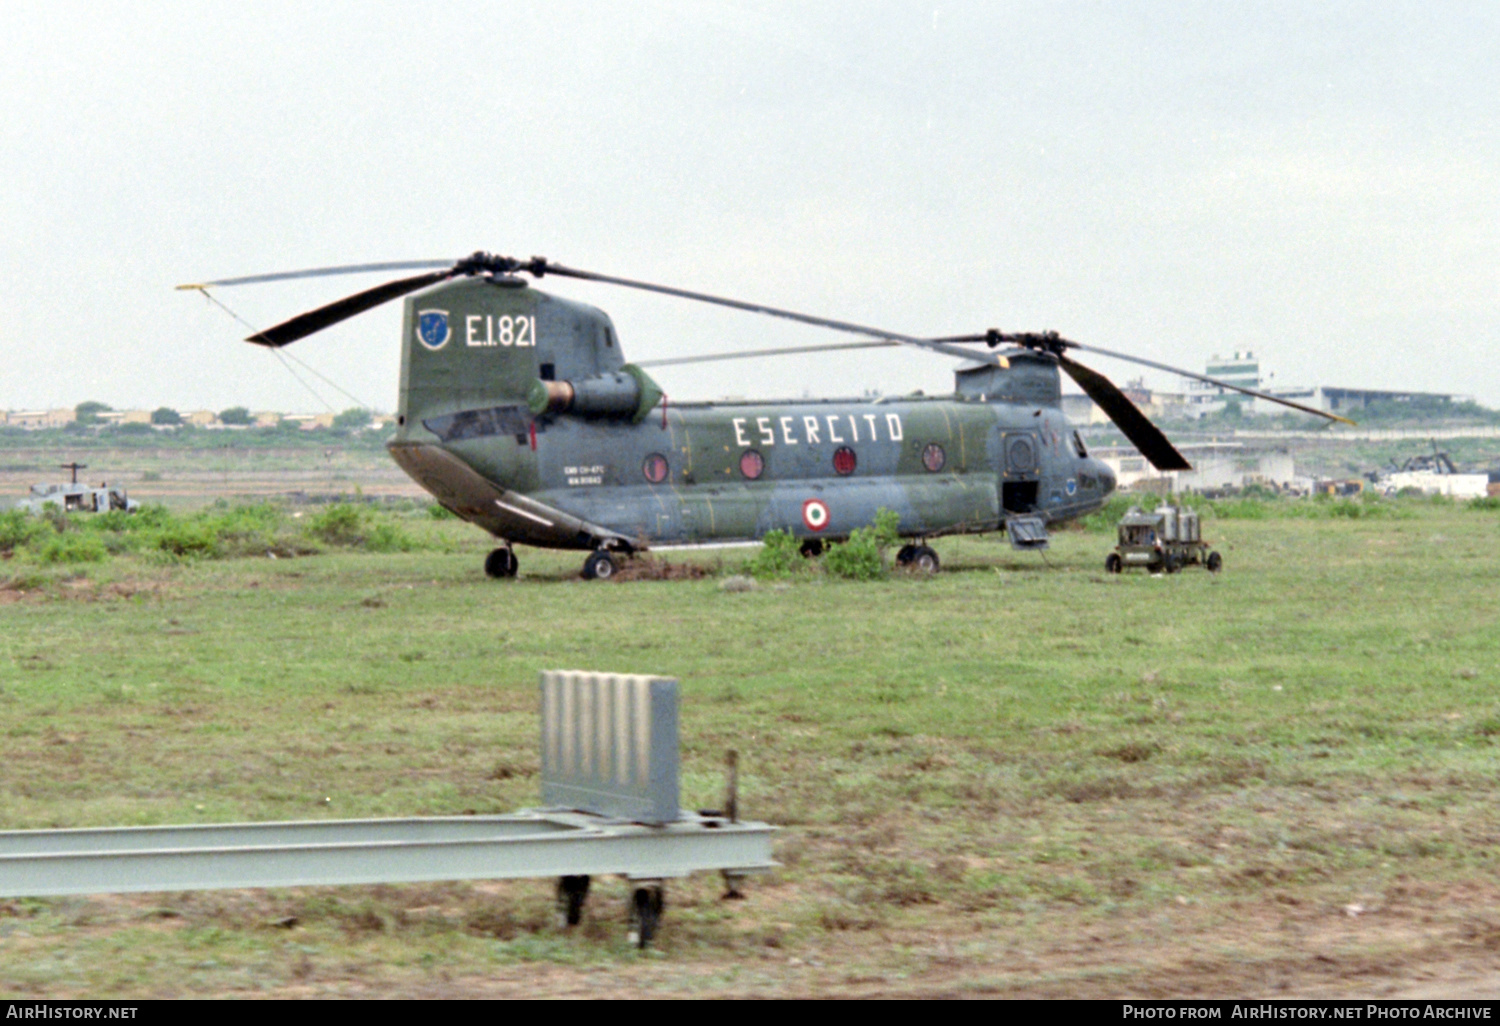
(474, 429)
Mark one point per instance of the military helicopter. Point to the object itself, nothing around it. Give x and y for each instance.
(519, 413)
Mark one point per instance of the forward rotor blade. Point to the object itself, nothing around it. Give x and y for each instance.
(324, 272)
(1212, 381)
(1143, 434)
(316, 320)
(539, 267)
(745, 354)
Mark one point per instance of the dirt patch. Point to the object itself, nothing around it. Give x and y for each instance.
(654, 568)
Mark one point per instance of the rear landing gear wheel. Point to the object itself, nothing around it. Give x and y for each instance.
(501, 563)
(904, 555)
(925, 560)
(1113, 564)
(572, 892)
(600, 566)
(811, 548)
(645, 915)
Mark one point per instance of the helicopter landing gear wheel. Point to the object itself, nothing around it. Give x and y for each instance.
(600, 566)
(1113, 564)
(904, 555)
(501, 563)
(645, 914)
(1215, 562)
(811, 548)
(572, 892)
(921, 559)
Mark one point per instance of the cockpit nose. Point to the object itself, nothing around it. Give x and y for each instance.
(1106, 479)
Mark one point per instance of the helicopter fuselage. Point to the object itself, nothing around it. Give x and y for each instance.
(519, 414)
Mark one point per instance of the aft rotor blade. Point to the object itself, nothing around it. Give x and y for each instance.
(539, 267)
(1143, 434)
(316, 320)
(1212, 381)
(324, 272)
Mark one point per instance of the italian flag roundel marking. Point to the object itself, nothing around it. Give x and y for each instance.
(815, 514)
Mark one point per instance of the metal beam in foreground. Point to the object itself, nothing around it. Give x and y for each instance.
(609, 758)
(38, 863)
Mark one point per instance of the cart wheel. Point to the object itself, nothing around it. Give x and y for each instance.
(1113, 564)
(1215, 562)
(572, 892)
(645, 915)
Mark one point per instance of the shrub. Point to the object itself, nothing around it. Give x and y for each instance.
(19, 528)
(339, 524)
(71, 548)
(188, 538)
(1107, 516)
(862, 557)
(780, 556)
(389, 538)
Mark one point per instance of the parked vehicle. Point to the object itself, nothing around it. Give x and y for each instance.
(1163, 541)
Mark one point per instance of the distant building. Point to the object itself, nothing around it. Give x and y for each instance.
(1216, 465)
(1338, 400)
(201, 418)
(35, 420)
(1242, 369)
(124, 417)
(310, 421)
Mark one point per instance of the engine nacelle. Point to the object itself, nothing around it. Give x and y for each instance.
(625, 394)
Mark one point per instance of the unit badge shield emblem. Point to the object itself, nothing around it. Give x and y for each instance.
(432, 328)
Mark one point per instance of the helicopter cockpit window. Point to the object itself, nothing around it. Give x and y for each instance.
(497, 420)
(1083, 453)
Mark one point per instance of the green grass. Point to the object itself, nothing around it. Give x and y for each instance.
(1018, 777)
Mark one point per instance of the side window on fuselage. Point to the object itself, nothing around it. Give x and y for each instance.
(1083, 453)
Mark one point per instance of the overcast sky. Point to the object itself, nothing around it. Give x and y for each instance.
(1313, 181)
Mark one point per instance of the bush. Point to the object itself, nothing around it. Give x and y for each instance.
(389, 538)
(19, 528)
(71, 548)
(780, 556)
(862, 557)
(1108, 515)
(188, 538)
(339, 524)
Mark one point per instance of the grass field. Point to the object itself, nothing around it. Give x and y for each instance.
(1018, 778)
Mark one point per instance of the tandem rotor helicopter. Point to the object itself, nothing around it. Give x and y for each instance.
(520, 414)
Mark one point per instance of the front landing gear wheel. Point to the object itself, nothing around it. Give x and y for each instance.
(645, 915)
(501, 563)
(600, 566)
(572, 892)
